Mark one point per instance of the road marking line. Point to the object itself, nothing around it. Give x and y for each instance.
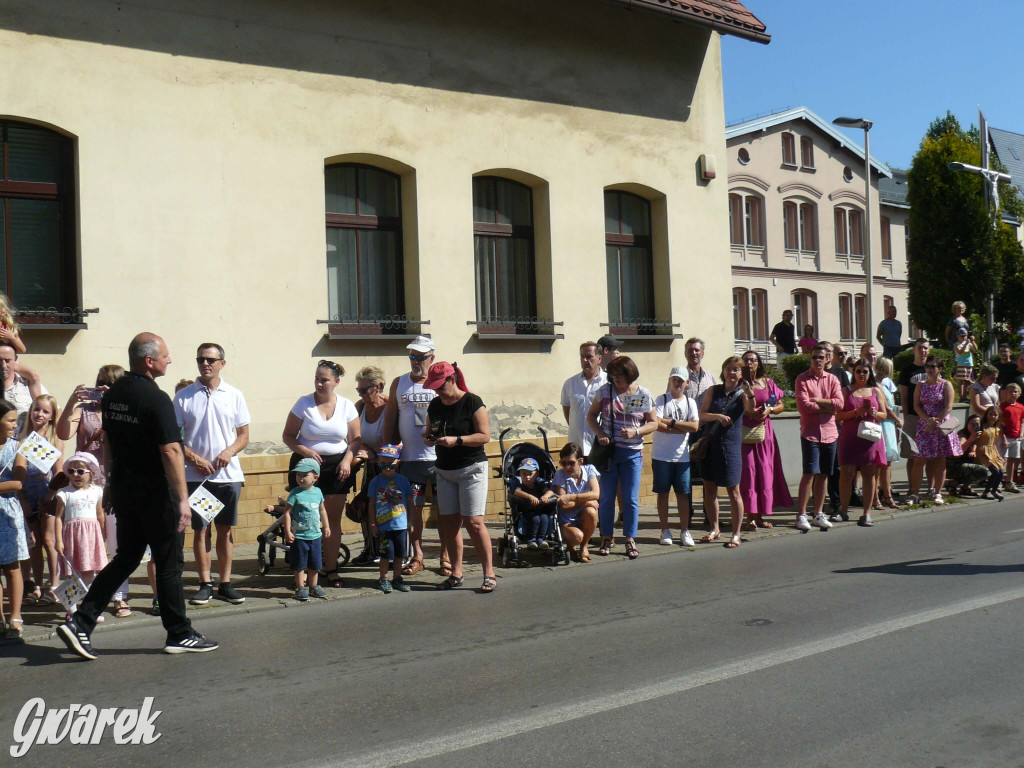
(452, 742)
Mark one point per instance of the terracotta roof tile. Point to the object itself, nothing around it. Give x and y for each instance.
(729, 17)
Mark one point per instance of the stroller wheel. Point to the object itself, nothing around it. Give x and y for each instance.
(565, 556)
(507, 558)
(343, 555)
(262, 564)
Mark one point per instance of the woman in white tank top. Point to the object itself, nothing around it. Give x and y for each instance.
(370, 386)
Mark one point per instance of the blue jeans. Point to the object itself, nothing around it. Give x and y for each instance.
(625, 472)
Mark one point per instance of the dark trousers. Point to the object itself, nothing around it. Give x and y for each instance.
(140, 522)
(833, 485)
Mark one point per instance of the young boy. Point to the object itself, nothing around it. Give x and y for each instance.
(305, 525)
(1013, 415)
(390, 495)
(535, 501)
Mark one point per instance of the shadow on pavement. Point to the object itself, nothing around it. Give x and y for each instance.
(934, 567)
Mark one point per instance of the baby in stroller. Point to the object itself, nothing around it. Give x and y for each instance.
(534, 503)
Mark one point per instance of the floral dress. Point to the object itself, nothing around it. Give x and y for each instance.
(934, 445)
(13, 542)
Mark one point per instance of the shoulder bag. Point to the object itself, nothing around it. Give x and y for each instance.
(601, 455)
(950, 425)
(870, 431)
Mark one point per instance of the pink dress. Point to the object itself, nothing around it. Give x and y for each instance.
(81, 533)
(933, 445)
(762, 482)
(853, 450)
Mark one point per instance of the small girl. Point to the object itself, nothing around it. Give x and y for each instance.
(80, 511)
(535, 501)
(9, 326)
(807, 341)
(13, 542)
(35, 490)
(988, 454)
(963, 348)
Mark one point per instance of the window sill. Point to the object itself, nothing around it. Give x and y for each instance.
(382, 328)
(790, 166)
(808, 168)
(484, 336)
(542, 328)
(53, 326)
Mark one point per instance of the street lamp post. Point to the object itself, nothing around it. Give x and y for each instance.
(992, 179)
(860, 122)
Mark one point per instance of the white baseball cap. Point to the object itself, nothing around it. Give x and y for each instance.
(421, 344)
(679, 372)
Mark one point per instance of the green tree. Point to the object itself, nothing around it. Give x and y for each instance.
(953, 253)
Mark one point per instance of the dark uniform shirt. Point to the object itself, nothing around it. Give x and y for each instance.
(138, 418)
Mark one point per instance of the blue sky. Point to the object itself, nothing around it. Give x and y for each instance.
(900, 63)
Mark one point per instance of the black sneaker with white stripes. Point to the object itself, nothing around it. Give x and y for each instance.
(76, 639)
(191, 643)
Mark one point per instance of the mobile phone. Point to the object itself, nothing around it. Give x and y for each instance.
(95, 394)
(772, 400)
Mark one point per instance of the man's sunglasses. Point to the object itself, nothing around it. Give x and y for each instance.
(207, 360)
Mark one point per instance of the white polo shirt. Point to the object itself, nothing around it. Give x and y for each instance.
(578, 394)
(20, 397)
(209, 421)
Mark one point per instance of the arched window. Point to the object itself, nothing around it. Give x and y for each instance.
(746, 219)
(805, 309)
(503, 240)
(741, 314)
(38, 232)
(629, 261)
(365, 269)
(800, 226)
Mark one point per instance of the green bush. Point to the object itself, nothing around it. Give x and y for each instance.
(906, 357)
(779, 377)
(793, 366)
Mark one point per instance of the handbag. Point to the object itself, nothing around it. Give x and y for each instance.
(950, 425)
(356, 509)
(600, 457)
(870, 431)
(754, 435)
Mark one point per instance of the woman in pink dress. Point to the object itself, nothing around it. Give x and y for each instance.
(862, 401)
(762, 482)
(933, 402)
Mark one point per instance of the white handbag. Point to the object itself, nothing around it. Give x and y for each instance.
(870, 431)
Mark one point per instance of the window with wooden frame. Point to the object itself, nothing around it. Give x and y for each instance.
(740, 314)
(629, 262)
(746, 220)
(805, 309)
(759, 314)
(365, 265)
(800, 229)
(788, 149)
(849, 232)
(845, 317)
(886, 239)
(860, 315)
(806, 153)
(38, 246)
(503, 252)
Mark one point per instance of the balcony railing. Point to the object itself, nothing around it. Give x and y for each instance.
(373, 326)
(516, 327)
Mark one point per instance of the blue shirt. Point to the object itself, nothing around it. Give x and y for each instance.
(305, 513)
(389, 496)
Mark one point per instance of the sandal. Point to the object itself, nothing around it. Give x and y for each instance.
(751, 525)
(413, 567)
(733, 542)
(710, 537)
(631, 551)
(606, 547)
(32, 593)
(585, 557)
(766, 524)
(878, 506)
(122, 610)
(48, 598)
(334, 579)
(489, 584)
(865, 521)
(445, 569)
(13, 631)
(450, 583)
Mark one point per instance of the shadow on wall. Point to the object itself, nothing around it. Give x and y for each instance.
(574, 52)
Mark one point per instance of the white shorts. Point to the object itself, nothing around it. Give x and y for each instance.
(1012, 450)
(462, 491)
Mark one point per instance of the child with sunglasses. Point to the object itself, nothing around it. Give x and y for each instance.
(80, 519)
(391, 495)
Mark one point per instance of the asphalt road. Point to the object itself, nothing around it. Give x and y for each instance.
(898, 645)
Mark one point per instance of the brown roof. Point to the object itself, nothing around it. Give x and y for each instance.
(728, 17)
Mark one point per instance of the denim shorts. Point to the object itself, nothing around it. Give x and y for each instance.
(393, 545)
(671, 475)
(819, 458)
(306, 554)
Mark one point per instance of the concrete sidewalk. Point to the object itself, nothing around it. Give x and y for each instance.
(274, 590)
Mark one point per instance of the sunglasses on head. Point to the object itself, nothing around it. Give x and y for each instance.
(207, 360)
(77, 471)
(331, 365)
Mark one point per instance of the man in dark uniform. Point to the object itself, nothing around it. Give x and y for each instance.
(146, 483)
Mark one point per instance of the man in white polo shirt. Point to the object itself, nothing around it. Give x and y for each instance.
(21, 383)
(578, 392)
(215, 427)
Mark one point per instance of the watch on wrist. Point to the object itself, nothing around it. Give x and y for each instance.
(458, 440)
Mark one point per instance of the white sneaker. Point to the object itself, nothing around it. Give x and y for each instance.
(666, 537)
(802, 523)
(686, 540)
(937, 498)
(822, 522)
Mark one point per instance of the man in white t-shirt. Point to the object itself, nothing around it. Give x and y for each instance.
(678, 418)
(578, 393)
(21, 383)
(215, 427)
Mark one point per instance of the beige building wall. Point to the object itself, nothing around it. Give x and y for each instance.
(834, 178)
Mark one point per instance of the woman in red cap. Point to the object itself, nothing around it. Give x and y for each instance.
(458, 428)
